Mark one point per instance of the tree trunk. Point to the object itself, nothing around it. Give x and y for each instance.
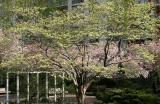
(106, 50)
(81, 91)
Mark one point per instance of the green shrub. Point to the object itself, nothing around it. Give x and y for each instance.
(127, 96)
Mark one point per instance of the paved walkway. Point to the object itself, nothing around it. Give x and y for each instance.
(68, 97)
(72, 98)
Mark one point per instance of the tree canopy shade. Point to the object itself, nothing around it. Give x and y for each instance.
(65, 38)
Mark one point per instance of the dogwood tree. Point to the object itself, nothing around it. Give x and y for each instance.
(69, 38)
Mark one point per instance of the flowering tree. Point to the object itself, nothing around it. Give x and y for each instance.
(68, 39)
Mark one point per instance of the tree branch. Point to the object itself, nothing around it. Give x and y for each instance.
(121, 62)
